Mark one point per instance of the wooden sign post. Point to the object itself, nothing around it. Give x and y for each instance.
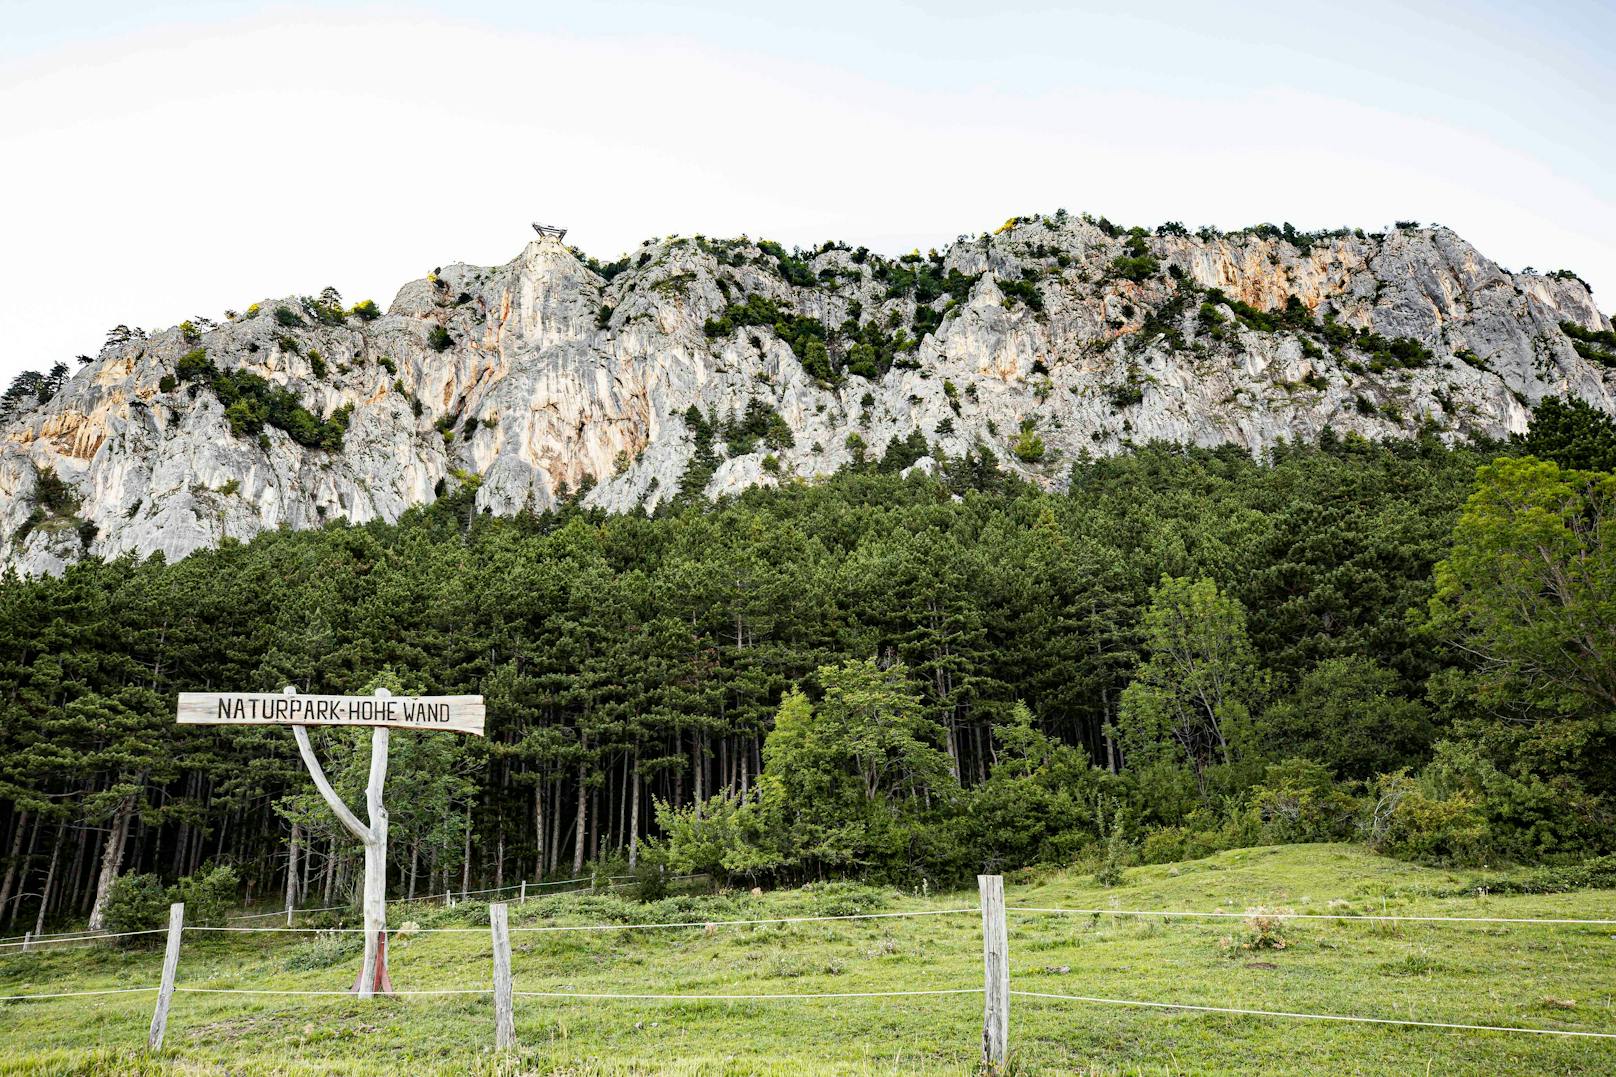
(382, 711)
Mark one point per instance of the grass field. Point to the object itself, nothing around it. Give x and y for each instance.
(1537, 976)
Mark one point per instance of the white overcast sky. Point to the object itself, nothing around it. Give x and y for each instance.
(159, 161)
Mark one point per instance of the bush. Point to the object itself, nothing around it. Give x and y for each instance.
(324, 950)
(1029, 447)
(1406, 821)
(140, 902)
(366, 310)
(207, 895)
(287, 318)
(137, 903)
(1023, 290)
(1135, 269)
(439, 339)
(650, 882)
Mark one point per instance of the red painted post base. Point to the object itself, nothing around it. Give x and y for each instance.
(383, 983)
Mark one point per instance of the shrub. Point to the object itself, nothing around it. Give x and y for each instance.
(251, 402)
(1126, 395)
(650, 882)
(194, 365)
(207, 895)
(1407, 821)
(287, 318)
(1137, 269)
(1262, 931)
(366, 310)
(324, 950)
(439, 338)
(137, 903)
(167, 383)
(317, 364)
(1596, 346)
(1029, 447)
(1024, 291)
(1110, 872)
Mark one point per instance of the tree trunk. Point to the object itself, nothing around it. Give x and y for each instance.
(50, 878)
(465, 854)
(698, 767)
(22, 879)
(580, 832)
(14, 859)
(373, 972)
(111, 858)
(291, 873)
(634, 816)
(538, 827)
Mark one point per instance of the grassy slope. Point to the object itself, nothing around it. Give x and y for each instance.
(1484, 974)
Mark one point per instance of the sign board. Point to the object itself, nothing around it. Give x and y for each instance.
(455, 714)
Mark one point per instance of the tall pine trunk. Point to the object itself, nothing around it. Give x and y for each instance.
(583, 812)
(634, 815)
(291, 872)
(111, 859)
(50, 878)
(12, 861)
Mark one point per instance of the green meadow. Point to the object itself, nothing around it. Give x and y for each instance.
(1529, 975)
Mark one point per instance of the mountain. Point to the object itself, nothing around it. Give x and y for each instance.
(696, 365)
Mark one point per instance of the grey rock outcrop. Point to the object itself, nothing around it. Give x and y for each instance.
(544, 378)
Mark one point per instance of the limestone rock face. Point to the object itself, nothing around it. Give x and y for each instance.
(545, 378)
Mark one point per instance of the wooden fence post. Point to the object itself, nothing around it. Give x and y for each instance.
(171, 961)
(27, 937)
(522, 900)
(504, 1012)
(996, 975)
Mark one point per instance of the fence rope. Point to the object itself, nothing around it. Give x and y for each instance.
(722, 998)
(76, 994)
(1169, 914)
(347, 994)
(582, 994)
(88, 938)
(604, 927)
(1315, 1016)
(609, 880)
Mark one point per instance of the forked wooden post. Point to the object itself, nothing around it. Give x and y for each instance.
(504, 1012)
(996, 975)
(171, 963)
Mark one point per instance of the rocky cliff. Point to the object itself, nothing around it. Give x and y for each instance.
(704, 365)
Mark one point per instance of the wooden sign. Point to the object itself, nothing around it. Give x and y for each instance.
(455, 714)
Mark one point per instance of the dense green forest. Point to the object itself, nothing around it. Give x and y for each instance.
(907, 678)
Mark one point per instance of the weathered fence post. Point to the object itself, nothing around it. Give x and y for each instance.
(504, 1013)
(171, 962)
(996, 975)
(27, 939)
(522, 900)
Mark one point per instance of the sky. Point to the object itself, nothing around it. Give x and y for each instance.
(162, 161)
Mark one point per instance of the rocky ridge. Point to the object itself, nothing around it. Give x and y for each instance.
(706, 366)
